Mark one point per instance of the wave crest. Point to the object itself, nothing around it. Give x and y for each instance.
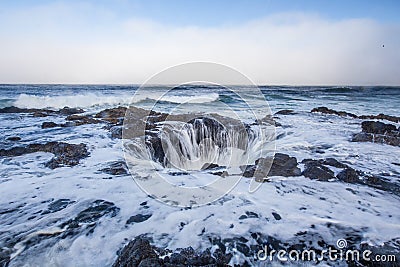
(91, 100)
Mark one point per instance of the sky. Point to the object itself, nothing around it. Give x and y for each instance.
(271, 42)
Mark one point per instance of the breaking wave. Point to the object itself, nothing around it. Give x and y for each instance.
(91, 100)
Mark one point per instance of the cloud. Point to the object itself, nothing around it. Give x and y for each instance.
(59, 44)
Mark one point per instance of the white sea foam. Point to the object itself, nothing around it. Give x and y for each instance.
(90, 99)
(28, 186)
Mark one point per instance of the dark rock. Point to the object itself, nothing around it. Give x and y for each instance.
(116, 132)
(5, 256)
(242, 217)
(24, 110)
(326, 110)
(221, 173)
(135, 252)
(112, 115)
(380, 117)
(70, 111)
(208, 166)
(390, 250)
(377, 127)
(98, 209)
(58, 205)
(64, 154)
(116, 168)
(284, 165)
(315, 170)
(177, 173)
(268, 119)
(139, 252)
(392, 139)
(333, 162)
(82, 119)
(49, 124)
(13, 138)
(348, 175)
(251, 214)
(286, 112)
(87, 219)
(40, 114)
(138, 218)
(276, 216)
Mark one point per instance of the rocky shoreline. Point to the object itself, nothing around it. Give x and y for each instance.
(139, 251)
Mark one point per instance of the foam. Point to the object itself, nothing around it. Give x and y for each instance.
(91, 99)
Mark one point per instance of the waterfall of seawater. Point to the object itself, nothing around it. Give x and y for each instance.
(194, 144)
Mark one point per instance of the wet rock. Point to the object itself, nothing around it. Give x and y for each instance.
(13, 138)
(58, 205)
(221, 173)
(315, 170)
(137, 251)
(286, 112)
(40, 114)
(116, 168)
(70, 111)
(138, 218)
(82, 119)
(348, 175)
(282, 165)
(112, 115)
(49, 124)
(377, 127)
(276, 216)
(378, 132)
(380, 117)
(332, 162)
(5, 257)
(326, 110)
(209, 166)
(116, 132)
(389, 250)
(177, 173)
(248, 214)
(64, 154)
(13, 109)
(98, 209)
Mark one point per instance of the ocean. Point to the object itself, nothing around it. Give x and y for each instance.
(310, 211)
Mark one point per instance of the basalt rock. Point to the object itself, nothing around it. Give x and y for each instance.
(82, 119)
(315, 170)
(326, 110)
(13, 109)
(49, 124)
(70, 111)
(286, 112)
(139, 252)
(348, 175)
(377, 127)
(282, 165)
(112, 115)
(41, 112)
(380, 116)
(64, 154)
(378, 132)
(13, 138)
(116, 168)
